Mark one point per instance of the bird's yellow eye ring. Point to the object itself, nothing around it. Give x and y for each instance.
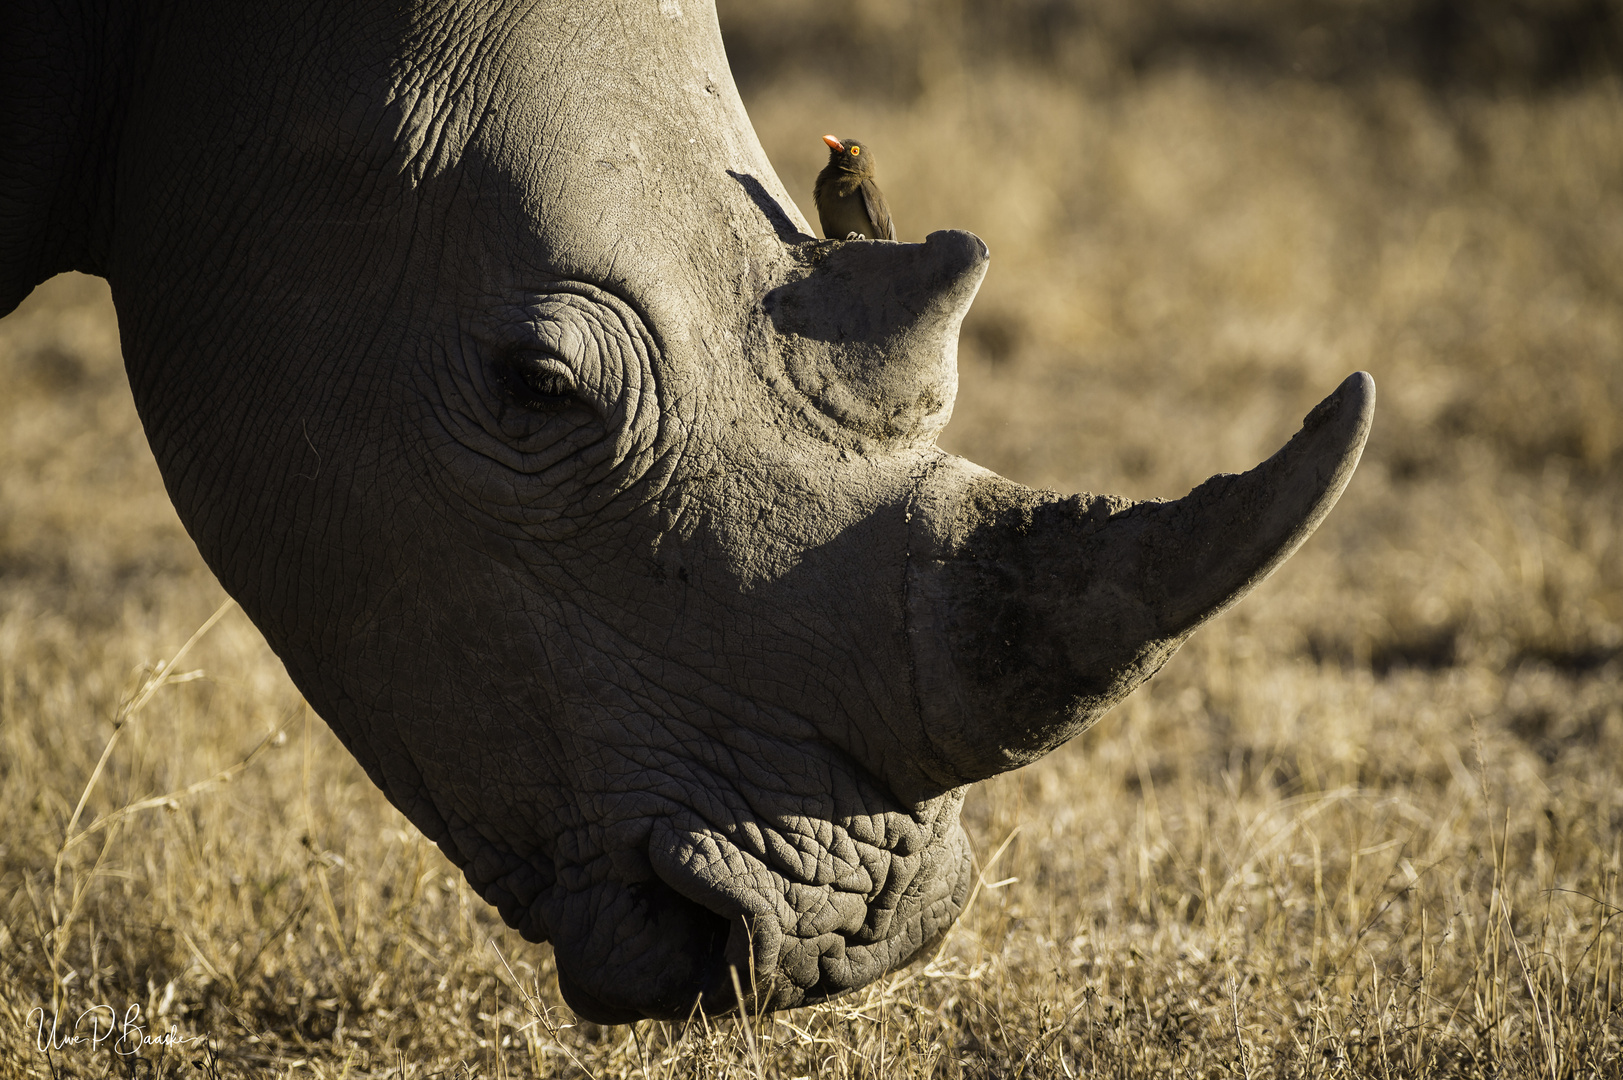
(855, 150)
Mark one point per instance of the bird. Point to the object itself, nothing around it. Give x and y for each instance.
(850, 205)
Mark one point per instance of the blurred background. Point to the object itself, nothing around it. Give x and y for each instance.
(1369, 822)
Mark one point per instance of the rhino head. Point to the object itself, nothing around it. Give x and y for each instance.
(591, 500)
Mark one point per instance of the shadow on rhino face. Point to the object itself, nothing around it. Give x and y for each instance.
(774, 214)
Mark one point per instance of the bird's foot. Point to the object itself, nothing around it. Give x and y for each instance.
(855, 236)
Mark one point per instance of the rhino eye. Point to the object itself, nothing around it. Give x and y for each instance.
(539, 380)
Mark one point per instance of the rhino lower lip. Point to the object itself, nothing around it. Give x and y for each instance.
(590, 1007)
(691, 970)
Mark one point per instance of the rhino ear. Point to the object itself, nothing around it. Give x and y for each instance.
(867, 331)
(1031, 614)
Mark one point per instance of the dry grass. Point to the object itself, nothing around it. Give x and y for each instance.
(1368, 824)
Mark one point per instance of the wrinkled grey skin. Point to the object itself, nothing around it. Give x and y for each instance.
(593, 503)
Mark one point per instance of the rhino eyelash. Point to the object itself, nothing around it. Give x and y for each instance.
(539, 380)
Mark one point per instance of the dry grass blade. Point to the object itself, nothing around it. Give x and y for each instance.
(171, 800)
(1239, 1035)
(162, 675)
(541, 1014)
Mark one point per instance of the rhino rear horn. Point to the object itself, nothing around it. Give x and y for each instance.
(868, 331)
(1031, 613)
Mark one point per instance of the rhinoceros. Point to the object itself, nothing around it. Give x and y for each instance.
(591, 500)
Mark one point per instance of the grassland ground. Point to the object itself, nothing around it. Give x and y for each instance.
(1369, 823)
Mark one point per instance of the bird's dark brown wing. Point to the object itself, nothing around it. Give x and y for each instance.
(873, 201)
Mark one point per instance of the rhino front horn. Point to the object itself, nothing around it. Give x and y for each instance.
(1032, 613)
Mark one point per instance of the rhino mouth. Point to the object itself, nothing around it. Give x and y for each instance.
(712, 923)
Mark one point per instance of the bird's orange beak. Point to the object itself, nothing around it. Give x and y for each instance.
(834, 144)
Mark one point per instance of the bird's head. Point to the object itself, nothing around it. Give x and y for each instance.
(849, 155)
